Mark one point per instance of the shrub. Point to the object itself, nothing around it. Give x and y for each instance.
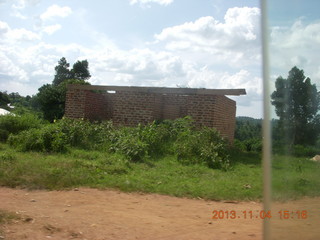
(135, 143)
(128, 141)
(141, 142)
(84, 134)
(204, 146)
(46, 139)
(12, 124)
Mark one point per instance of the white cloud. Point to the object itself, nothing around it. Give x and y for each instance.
(4, 28)
(21, 34)
(139, 66)
(295, 46)
(50, 14)
(51, 29)
(55, 11)
(207, 78)
(9, 68)
(20, 5)
(10, 36)
(146, 2)
(235, 40)
(19, 15)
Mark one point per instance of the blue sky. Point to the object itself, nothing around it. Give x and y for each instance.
(168, 43)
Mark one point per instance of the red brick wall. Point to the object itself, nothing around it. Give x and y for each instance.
(96, 105)
(75, 103)
(224, 117)
(200, 108)
(131, 108)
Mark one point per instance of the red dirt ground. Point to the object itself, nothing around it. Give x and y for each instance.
(107, 214)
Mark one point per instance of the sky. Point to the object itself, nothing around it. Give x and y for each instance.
(166, 43)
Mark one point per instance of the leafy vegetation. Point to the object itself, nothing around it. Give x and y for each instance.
(248, 134)
(4, 100)
(297, 103)
(170, 157)
(191, 146)
(12, 124)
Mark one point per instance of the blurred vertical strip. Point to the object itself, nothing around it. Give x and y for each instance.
(266, 118)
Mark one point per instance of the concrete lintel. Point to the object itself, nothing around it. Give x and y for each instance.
(162, 90)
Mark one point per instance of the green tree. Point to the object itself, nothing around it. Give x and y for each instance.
(51, 97)
(4, 100)
(296, 103)
(62, 72)
(80, 70)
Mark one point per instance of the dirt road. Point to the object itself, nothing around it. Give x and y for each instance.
(106, 214)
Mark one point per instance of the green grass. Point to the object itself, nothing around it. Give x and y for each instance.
(163, 175)
(295, 177)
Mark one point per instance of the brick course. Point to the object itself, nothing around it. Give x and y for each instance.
(130, 106)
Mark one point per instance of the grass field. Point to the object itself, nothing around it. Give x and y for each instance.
(292, 178)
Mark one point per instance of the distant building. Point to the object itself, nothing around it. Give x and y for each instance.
(130, 106)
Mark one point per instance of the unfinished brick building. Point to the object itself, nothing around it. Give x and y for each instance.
(132, 105)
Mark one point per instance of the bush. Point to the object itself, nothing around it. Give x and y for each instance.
(12, 124)
(141, 142)
(135, 143)
(130, 142)
(84, 134)
(47, 139)
(204, 146)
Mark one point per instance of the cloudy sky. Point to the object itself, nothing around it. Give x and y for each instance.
(167, 43)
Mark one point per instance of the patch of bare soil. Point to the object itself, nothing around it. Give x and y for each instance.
(106, 214)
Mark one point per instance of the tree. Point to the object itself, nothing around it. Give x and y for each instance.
(4, 100)
(62, 72)
(80, 70)
(51, 97)
(296, 102)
